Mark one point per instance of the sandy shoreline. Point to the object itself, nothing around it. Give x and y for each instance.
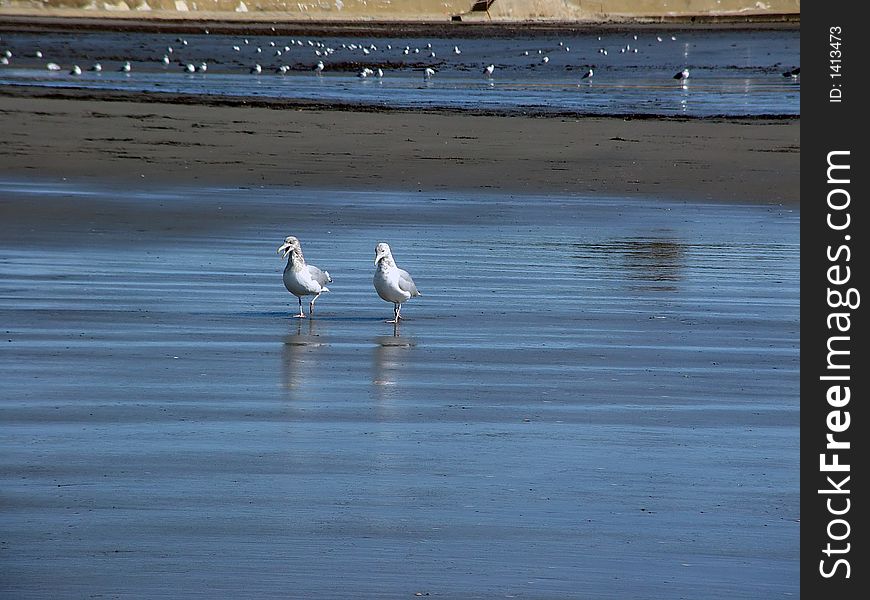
(136, 137)
(253, 24)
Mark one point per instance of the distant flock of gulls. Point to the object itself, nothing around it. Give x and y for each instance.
(301, 279)
(322, 51)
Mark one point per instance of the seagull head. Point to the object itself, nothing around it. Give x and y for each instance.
(290, 245)
(382, 251)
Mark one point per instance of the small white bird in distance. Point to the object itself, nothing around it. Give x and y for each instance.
(428, 73)
(76, 70)
(319, 67)
(682, 75)
(488, 70)
(126, 67)
(588, 74)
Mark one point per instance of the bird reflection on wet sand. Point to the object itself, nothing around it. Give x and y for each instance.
(299, 352)
(391, 352)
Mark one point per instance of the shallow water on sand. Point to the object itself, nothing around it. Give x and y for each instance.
(595, 397)
(732, 72)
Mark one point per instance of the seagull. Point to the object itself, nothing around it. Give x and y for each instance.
(301, 279)
(189, 68)
(488, 70)
(456, 50)
(545, 60)
(682, 75)
(4, 60)
(165, 59)
(203, 67)
(97, 67)
(392, 283)
(256, 69)
(793, 73)
(52, 66)
(37, 54)
(319, 67)
(588, 74)
(429, 72)
(380, 73)
(126, 67)
(76, 70)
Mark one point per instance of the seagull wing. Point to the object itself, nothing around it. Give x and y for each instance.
(321, 277)
(406, 284)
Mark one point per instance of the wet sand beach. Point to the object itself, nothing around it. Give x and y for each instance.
(595, 397)
(124, 137)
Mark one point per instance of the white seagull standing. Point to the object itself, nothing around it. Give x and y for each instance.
(301, 279)
(488, 70)
(428, 73)
(392, 283)
(588, 74)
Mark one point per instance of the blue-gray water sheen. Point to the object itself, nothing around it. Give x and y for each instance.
(732, 73)
(593, 398)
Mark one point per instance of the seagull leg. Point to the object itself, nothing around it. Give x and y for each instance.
(311, 304)
(398, 310)
(301, 314)
(396, 313)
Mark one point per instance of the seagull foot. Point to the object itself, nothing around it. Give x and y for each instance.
(299, 316)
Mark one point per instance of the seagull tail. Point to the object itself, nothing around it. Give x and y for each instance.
(328, 278)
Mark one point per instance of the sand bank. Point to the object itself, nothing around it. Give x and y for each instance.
(501, 11)
(134, 137)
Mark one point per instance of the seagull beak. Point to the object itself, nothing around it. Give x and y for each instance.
(285, 248)
(379, 256)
